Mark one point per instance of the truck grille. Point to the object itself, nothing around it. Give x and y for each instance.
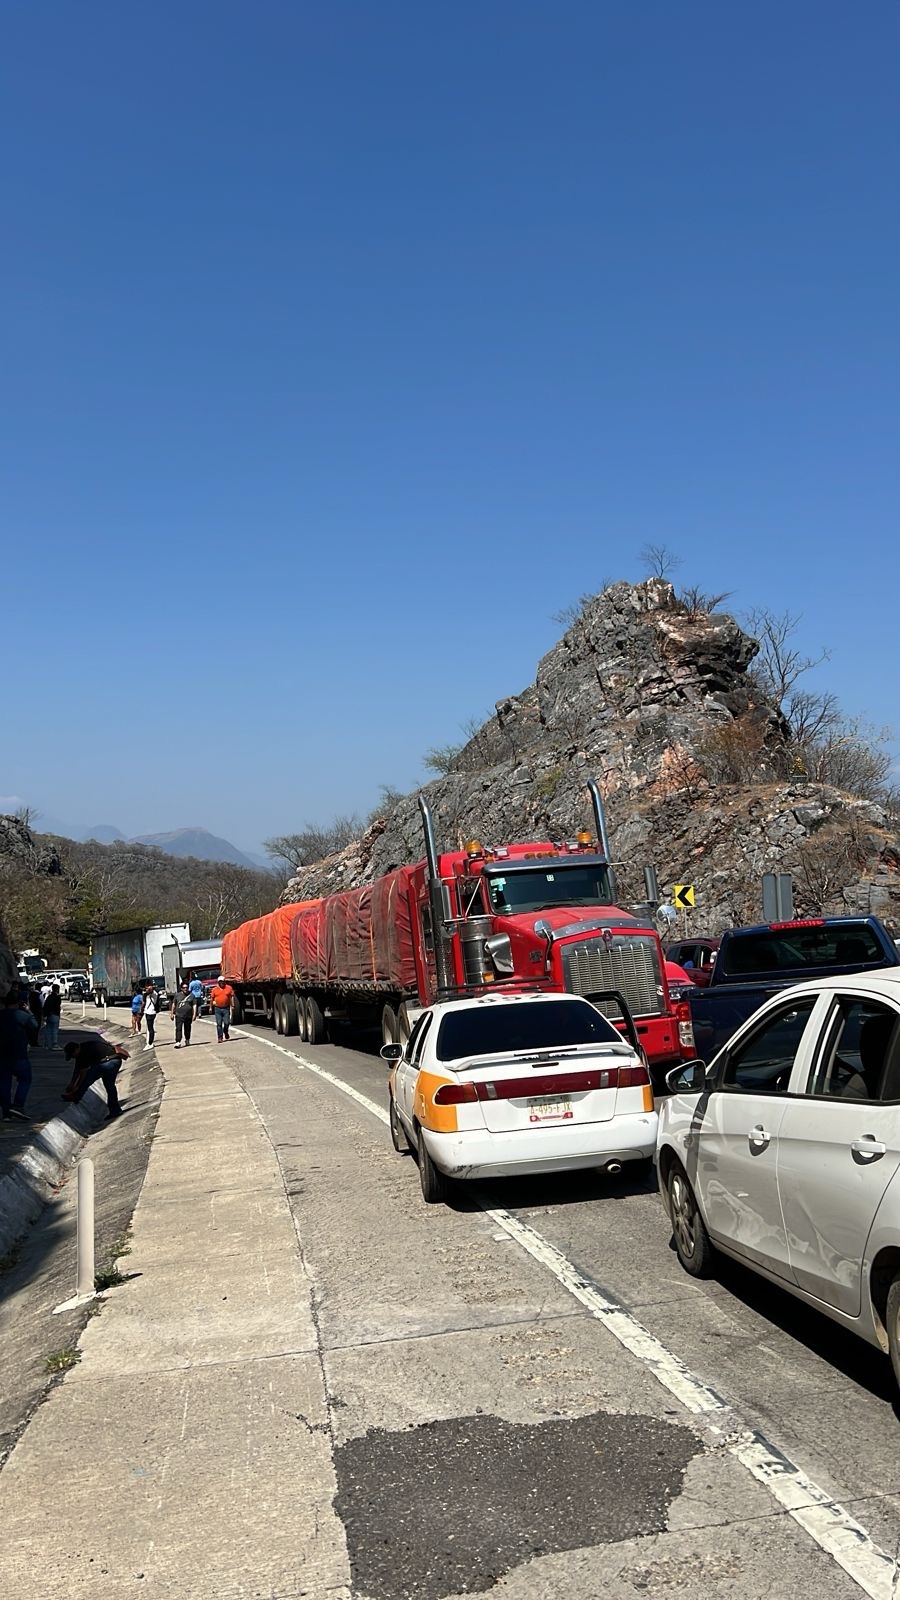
(629, 965)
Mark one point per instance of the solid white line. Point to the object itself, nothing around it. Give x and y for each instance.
(832, 1528)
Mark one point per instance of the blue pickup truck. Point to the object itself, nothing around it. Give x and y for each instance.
(754, 963)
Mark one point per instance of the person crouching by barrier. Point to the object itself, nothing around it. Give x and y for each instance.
(95, 1058)
(182, 1009)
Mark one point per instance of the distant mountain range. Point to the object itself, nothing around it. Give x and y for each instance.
(197, 842)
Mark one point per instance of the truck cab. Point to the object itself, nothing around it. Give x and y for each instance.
(543, 915)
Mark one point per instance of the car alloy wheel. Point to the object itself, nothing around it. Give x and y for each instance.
(689, 1230)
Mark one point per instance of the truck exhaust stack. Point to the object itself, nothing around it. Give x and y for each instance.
(602, 830)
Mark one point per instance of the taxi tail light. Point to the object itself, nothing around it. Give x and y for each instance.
(456, 1094)
(686, 1042)
(637, 1078)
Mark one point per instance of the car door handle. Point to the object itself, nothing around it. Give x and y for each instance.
(758, 1137)
(868, 1148)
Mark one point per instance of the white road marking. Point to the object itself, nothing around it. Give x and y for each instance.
(832, 1528)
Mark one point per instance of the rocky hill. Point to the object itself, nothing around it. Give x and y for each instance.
(660, 702)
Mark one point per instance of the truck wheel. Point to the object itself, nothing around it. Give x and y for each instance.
(301, 1019)
(404, 1026)
(437, 1188)
(236, 1013)
(98, 998)
(276, 1014)
(315, 1022)
(289, 1015)
(389, 1033)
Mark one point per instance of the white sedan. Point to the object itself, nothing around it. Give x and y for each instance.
(510, 1084)
(784, 1152)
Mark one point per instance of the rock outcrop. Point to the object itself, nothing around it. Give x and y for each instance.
(640, 692)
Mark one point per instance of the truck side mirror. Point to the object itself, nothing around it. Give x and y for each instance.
(498, 950)
(391, 1052)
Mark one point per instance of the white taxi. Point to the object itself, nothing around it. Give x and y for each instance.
(502, 1085)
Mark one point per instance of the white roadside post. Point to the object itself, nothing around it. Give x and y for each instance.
(84, 1239)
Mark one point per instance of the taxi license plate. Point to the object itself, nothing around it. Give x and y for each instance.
(549, 1108)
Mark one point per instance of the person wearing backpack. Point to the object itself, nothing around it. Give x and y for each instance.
(183, 1011)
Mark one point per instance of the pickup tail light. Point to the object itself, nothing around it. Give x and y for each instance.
(686, 1041)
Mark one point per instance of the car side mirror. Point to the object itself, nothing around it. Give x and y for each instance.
(688, 1079)
(391, 1052)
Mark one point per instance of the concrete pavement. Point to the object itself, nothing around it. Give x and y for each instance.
(316, 1385)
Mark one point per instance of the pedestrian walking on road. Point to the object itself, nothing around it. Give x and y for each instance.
(222, 997)
(17, 1032)
(150, 1009)
(137, 1011)
(94, 1057)
(196, 988)
(50, 1015)
(31, 1001)
(183, 1012)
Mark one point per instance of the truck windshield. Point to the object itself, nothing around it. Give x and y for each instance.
(540, 1025)
(796, 949)
(542, 888)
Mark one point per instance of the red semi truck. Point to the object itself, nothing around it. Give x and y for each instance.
(517, 916)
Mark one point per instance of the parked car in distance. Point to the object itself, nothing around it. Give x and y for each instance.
(700, 954)
(78, 989)
(502, 1085)
(783, 1153)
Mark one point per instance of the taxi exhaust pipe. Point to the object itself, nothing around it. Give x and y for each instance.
(613, 1168)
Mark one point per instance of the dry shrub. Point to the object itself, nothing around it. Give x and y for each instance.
(735, 752)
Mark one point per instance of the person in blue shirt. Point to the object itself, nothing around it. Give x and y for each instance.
(195, 989)
(137, 1011)
(17, 1032)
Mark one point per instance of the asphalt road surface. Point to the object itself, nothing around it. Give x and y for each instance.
(527, 1394)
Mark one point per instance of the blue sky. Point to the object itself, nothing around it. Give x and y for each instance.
(343, 345)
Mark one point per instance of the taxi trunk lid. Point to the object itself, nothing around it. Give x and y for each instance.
(532, 1089)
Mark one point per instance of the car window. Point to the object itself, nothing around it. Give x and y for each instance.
(762, 1063)
(543, 1025)
(797, 946)
(419, 1045)
(860, 1054)
(413, 1039)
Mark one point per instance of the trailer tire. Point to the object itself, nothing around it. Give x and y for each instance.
(316, 1032)
(276, 1014)
(236, 1013)
(98, 998)
(290, 1016)
(389, 1034)
(301, 1018)
(404, 1026)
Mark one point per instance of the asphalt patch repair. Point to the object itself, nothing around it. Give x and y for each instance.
(448, 1507)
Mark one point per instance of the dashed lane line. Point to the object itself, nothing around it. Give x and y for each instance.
(820, 1516)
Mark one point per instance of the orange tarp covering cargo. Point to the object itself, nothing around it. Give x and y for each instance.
(260, 950)
(358, 940)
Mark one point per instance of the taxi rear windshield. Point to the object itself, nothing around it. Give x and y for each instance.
(499, 1030)
(799, 949)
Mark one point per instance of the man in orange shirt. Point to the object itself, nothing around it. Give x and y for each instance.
(222, 999)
